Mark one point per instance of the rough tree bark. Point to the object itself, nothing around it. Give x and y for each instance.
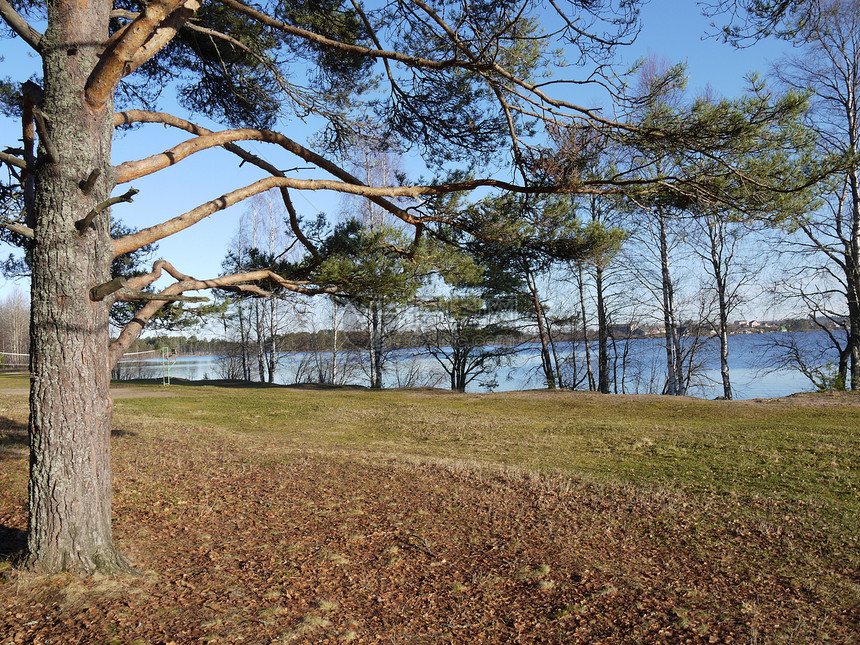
(852, 274)
(70, 475)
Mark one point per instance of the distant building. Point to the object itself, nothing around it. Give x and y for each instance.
(625, 331)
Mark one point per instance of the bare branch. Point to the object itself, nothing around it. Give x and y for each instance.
(237, 282)
(13, 161)
(165, 229)
(126, 118)
(140, 116)
(20, 26)
(84, 224)
(130, 295)
(238, 44)
(20, 229)
(32, 95)
(44, 138)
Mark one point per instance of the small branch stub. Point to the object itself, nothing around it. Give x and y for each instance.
(84, 224)
(102, 291)
(87, 185)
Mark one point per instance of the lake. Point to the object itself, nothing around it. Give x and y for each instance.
(645, 368)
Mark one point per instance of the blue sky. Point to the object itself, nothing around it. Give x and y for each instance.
(672, 30)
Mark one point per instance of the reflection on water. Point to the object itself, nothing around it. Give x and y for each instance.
(646, 360)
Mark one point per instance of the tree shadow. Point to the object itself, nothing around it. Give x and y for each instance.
(13, 434)
(13, 543)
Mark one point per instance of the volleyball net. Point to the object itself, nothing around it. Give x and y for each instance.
(11, 359)
(139, 365)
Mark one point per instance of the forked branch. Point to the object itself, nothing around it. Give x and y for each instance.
(139, 41)
(242, 282)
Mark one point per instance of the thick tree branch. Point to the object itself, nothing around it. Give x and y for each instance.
(20, 26)
(165, 229)
(139, 40)
(130, 295)
(164, 33)
(140, 116)
(102, 291)
(126, 118)
(125, 293)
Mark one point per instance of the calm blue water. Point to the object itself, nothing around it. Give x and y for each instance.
(645, 370)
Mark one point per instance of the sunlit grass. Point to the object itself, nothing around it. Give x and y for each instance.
(800, 451)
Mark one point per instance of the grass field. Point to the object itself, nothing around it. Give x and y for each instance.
(324, 515)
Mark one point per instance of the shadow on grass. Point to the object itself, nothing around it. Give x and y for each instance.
(13, 434)
(13, 542)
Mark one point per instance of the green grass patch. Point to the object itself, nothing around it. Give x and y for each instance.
(767, 454)
(800, 451)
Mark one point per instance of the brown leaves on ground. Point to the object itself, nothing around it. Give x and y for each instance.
(238, 543)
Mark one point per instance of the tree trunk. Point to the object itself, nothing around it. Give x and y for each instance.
(375, 345)
(717, 236)
(602, 335)
(271, 343)
(555, 359)
(70, 403)
(674, 380)
(853, 274)
(260, 333)
(378, 340)
(588, 371)
(243, 338)
(546, 361)
(334, 348)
